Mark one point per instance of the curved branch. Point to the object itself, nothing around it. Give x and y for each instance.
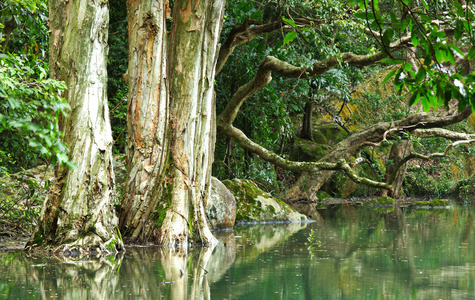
(243, 34)
(444, 133)
(270, 156)
(414, 155)
(345, 167)
(310, 167)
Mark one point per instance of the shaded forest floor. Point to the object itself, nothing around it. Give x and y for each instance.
(13, 235)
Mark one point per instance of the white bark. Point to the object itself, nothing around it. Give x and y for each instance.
(79, 213)
(193, 54)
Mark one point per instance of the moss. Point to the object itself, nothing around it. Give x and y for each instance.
(271, 209)
(382, 200)
(322, 195)
(304, 150)
(111, 246)
(246, 193)
(433, 203)
(318, 137)
(161, 209)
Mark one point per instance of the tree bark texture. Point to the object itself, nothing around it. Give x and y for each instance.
(192, 57)
(79, 213)
(147, 120)
(171, 121)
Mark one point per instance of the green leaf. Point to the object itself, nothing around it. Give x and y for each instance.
(289, 21)
(425, 103)
(414, 98)
(432, 99)
(471, 53)
(421, 74)
(289, 37)
(387, 36)
(390, 61)
(414, 40)
(399, 79)
(447, 98)
(438, 55)
(390, 74)
(364, 15)
(450, 57)
(456, 50)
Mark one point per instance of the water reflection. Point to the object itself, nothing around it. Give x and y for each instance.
(349, 253)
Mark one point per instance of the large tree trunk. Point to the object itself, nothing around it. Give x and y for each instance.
(171, 121)
(79, 213)
(147, 120)
(192, 56)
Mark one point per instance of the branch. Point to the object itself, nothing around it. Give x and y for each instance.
(244, 33)
(271, 64)
(310, 167)
(414, 155)
(444, 133)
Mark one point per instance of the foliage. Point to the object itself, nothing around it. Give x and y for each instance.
(117, 64)
(22, 195)
(269, 117)
(29, 111)
(30, 104)
(440, 32)
(29, 20)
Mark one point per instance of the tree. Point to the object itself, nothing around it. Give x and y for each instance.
(79, 212)
(170, 121)
(396, 27)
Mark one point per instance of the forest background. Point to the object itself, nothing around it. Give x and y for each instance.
(319, 53)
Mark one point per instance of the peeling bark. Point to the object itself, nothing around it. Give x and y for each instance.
(171, 121)
(192, 60)
(79, 213)
(147, 121)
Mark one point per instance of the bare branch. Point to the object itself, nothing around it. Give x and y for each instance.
(244, 33)
(444, 133)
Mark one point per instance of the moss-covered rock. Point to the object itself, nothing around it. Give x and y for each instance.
(253, 204)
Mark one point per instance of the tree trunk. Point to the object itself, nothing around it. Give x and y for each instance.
(306, 132)
(193, 53)
(171, 121)
(79, 212)
(398, 151)
(147, 120)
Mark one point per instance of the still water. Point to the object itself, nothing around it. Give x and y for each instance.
(348, 253)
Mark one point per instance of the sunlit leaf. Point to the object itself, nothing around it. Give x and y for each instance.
(289, 37)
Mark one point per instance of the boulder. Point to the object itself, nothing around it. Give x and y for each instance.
(221, 206)
(255, 205)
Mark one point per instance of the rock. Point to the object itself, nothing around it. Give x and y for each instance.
(221, 206)
(253, 204)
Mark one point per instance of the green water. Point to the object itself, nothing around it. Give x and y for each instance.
(349, 253)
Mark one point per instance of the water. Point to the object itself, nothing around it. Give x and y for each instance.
(349, 253)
